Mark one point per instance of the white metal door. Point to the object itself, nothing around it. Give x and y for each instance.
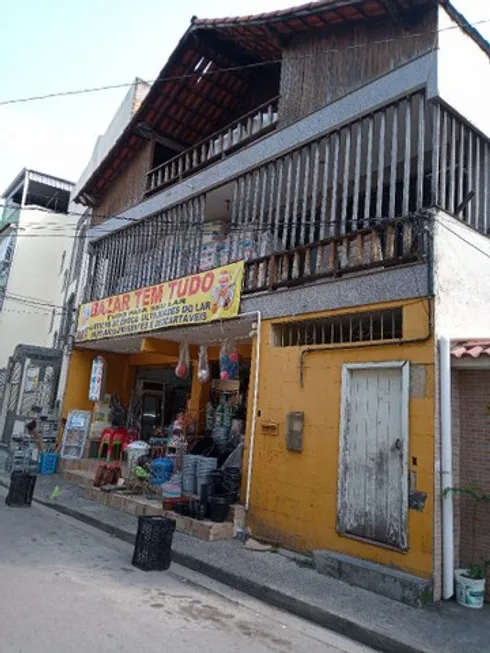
(373, 459)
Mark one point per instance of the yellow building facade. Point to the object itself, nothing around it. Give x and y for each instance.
(293, 497)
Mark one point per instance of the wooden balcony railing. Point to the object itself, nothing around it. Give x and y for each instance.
(243, 131)
(390, 243)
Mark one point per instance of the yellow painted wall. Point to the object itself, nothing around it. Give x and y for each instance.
(294, 495)
(121, 373)
(119, 379)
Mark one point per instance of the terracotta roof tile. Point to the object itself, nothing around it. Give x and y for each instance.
(472, 348)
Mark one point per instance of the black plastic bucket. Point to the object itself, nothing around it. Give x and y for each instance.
(219, 507)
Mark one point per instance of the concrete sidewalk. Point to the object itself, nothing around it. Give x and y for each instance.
(287, 581)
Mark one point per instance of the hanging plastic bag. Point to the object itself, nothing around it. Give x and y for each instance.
(182, 369)
(203, 373)
(229, 361)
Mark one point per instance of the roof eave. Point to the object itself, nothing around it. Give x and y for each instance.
(135, 119)
(15, 183)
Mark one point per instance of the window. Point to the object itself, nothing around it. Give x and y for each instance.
(341, 329)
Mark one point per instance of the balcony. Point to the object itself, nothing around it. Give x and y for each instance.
(248, 128)
(392, 243)
(348, 201)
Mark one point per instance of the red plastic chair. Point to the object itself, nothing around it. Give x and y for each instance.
(106, 441)
(116, 441)
(121, 439)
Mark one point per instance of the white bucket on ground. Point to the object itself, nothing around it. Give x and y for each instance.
(469, 592)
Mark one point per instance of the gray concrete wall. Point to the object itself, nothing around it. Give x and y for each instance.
(357, 290)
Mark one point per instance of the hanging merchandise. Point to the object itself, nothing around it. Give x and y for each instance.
(182, 369)
(97, 379)
(229, 361)
(203, 373)
(210, 410)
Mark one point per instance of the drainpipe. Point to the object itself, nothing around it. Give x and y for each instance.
(446, 468)
(255, 401)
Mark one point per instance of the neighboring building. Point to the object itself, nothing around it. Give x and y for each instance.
(333, 148)
(36, 241)
(37, 236)
(77, 266)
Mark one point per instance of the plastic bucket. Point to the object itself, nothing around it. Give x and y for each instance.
(218, 508)
(470, 593)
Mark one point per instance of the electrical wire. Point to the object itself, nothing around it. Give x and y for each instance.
(47, 308)
(183, 228)
(210, 73)
(475, 247)
(32, 302)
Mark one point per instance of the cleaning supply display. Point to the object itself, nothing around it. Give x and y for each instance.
(204, 468)
(210, 411)
(161, 470)
(189, 468)
(172, 489)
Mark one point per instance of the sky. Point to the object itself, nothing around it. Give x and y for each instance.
(55, 45)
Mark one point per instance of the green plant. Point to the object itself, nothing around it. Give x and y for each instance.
(476, 569)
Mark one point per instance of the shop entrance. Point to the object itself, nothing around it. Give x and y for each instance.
(157, 398)
(172, 414)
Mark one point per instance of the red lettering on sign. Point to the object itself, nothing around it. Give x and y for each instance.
(109, 306)
(207, 282)
(117, 304)
(94, 309)
(146, 296)
(125, 302)
(138, 294)
(172, 286)
(157, 294)
(194, 285)
(182, 289)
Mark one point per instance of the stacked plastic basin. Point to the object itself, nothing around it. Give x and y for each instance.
(203, 471)
(189, 473)
(161, 470)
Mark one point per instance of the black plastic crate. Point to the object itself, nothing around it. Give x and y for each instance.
(21, 489)
(153, 547)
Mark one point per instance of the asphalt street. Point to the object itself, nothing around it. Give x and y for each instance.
(65, 587)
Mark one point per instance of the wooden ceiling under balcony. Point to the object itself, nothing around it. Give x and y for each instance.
(222, 69)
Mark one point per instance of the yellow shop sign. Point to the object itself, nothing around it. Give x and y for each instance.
(197, 299)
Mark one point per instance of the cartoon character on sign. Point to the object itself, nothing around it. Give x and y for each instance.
(223, 292)
(84, 317)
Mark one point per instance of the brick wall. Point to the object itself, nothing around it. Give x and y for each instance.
(471, 449)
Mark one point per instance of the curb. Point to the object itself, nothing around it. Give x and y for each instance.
(327, 619)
